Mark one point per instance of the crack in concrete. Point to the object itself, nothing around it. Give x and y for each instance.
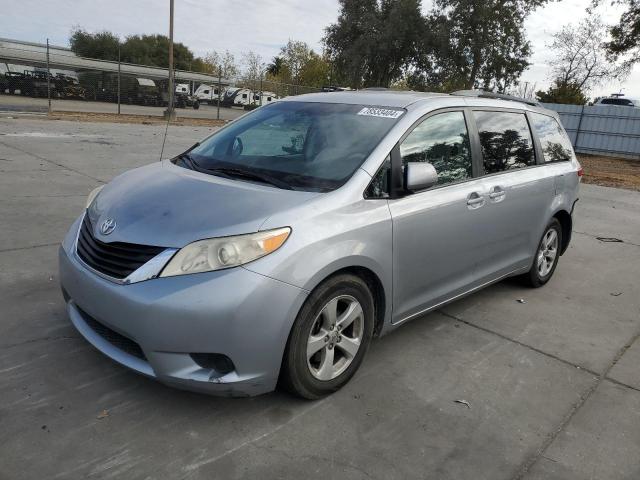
(596, 237)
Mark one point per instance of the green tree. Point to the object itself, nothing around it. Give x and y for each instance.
(222, 61)
(625, 35)
(478, 44)
(142, 49)
(297, 64)
(154, 50)
(275, 67)
(372, 42)
(103, 45)
(563, 92)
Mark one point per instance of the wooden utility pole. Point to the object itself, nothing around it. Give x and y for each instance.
(170, 113)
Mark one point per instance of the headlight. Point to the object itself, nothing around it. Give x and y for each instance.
(224, 252)
(92, 196)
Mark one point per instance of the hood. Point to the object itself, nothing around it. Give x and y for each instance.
(170, 206)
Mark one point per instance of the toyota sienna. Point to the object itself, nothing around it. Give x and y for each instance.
(273, 251)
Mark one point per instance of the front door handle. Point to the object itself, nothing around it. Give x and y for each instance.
(475, 200)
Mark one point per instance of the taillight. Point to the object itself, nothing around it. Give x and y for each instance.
(580, 171)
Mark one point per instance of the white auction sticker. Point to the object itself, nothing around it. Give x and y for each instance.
(380, 112)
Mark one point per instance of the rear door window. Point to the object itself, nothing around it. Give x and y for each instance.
(443, 141)
(556, 146)
(505, 139)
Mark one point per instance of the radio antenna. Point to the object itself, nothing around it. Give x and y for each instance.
(164, 139)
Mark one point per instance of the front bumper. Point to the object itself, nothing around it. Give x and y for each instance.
(241, 314)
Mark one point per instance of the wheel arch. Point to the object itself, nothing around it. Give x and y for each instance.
(373, 281)
(566, 222)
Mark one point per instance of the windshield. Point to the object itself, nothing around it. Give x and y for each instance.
(307, 146)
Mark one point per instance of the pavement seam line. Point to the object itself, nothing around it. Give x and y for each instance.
(517, 342)
(51, 162)
(43, 339)
(526, 466)
(16, 249)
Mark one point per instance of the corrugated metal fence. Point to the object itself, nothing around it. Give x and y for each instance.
(601, 130)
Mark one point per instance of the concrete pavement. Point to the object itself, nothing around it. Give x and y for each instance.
(553, 383)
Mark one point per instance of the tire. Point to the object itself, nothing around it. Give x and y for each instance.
(331, 366)
(543, 266)
(196, 105)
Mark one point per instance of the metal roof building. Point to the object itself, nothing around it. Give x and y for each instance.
(15, 52)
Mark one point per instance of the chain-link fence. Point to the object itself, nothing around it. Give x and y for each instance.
(44, 78)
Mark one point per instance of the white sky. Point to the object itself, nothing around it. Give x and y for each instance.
(263, 26)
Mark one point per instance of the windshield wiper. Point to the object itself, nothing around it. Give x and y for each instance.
(230, 172)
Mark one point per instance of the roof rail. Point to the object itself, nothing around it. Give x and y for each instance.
(498, 96)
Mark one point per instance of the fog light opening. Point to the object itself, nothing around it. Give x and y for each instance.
(215, 361)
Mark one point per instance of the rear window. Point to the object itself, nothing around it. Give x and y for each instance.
(505, 139)
(556, 146)
(617, 101)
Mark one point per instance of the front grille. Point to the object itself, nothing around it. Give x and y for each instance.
(115, 259)
(114, 338)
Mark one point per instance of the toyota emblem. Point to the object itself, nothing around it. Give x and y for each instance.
(108, 226)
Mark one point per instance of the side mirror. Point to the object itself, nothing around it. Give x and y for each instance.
(419, 176)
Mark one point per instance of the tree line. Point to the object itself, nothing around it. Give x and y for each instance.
(457, 44)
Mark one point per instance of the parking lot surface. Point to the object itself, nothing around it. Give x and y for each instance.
(550, 375)
(17, 103)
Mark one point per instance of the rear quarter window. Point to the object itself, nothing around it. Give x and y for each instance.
(556, 146)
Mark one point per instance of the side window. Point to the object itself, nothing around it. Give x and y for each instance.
(505, 139)
(380, 186)
(556, 146)
(443, 141)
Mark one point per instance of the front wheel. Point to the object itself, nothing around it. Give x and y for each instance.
(329, 338)
(547, 255)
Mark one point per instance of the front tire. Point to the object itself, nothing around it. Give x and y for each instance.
(329, 338)
(546, 257)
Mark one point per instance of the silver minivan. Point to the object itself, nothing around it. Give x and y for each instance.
(273, 251)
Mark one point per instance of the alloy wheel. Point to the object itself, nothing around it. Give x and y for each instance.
(547, 252)
(335, 337)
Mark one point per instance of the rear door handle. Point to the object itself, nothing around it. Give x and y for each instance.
(497, 194)
(475, 200)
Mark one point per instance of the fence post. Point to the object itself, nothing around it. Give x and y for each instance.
(219, 91)
(260, 88)
(48, 81)
(118, 79)
(575, 147)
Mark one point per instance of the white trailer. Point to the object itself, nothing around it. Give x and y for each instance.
(240, 97)
(183, 88)
(208, 93)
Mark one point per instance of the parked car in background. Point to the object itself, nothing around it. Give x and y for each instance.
(617, 100)
(272, 251)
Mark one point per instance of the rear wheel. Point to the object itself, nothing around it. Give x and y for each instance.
(329, 338)
(547, 255)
